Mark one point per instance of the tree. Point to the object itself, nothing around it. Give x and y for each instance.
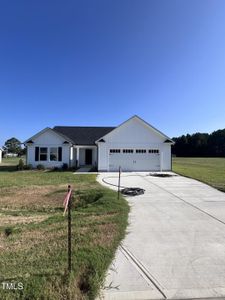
(13, 145)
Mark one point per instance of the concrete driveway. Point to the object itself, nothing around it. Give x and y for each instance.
(175, 246)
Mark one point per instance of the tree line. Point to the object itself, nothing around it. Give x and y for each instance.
(200, 144)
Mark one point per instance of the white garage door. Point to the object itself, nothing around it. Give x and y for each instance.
(134, 159)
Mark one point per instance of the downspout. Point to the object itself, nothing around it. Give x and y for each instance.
(161, 161)
(97, 156)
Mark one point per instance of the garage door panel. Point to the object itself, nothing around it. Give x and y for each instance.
(134, 161)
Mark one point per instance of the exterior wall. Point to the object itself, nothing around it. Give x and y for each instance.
(0, 155)
(103, 155)
(133, 135)
(48, 139)
(166, 157)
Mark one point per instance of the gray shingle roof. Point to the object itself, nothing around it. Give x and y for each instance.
(83, 135)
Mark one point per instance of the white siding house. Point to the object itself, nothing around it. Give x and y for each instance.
(134, 145)
(0, 155)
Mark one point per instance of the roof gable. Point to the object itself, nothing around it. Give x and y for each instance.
(45, 130)
(141, 121)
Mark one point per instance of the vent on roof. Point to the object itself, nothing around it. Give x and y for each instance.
(168, 141)
(65, 142)
(30, 142)
(102, 141)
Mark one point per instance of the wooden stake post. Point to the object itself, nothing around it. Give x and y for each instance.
(69, 233)
(67, 206)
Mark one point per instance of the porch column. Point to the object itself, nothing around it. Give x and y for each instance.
(78, 156)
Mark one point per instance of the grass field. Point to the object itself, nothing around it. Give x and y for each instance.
(33, 234)
(208, 170)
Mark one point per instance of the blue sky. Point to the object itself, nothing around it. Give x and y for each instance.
(99, 62)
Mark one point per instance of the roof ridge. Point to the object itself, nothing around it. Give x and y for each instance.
(85, 126)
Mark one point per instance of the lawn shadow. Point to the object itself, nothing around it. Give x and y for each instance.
(9, 168)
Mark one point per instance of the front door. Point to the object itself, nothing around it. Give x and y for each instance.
(88, 156)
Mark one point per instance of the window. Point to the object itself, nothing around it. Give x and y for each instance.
(114, 150)
(153, 151)
(54, 154)
(128, 150)
(43, 153)
(140, 150)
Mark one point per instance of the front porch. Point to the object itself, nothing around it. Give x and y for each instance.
(83, 156)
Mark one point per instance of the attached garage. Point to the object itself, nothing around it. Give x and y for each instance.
(135, 145)
(134, 159)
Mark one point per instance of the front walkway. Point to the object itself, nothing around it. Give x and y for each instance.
(175, 246)
(84, 169)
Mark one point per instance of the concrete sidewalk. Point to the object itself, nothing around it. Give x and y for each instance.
(175, 246)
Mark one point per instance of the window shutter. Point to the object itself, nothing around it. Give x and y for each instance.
(36, 153)
(60, 153)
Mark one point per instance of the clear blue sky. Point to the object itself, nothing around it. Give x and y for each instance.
(99, 62)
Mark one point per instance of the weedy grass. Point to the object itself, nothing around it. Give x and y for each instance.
(208, 170)
(35, 250)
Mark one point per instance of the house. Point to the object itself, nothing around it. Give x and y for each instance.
(134, 145)
(1, 154)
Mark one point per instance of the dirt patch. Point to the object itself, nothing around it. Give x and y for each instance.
(32, 197)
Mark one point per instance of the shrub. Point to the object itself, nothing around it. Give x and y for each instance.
(8, 231)
(55, 169)
(28, 167)
(20, 165)
(65, 167)
(40, 167)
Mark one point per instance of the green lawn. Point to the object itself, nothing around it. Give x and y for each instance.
(11, 161)
(35, 253)
(208, 170)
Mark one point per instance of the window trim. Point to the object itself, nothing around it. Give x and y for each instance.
(141, 151)
(128, 151)
(38, 153)
(153, 151)
(56, 153)
(45, 153)
(113, 151)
